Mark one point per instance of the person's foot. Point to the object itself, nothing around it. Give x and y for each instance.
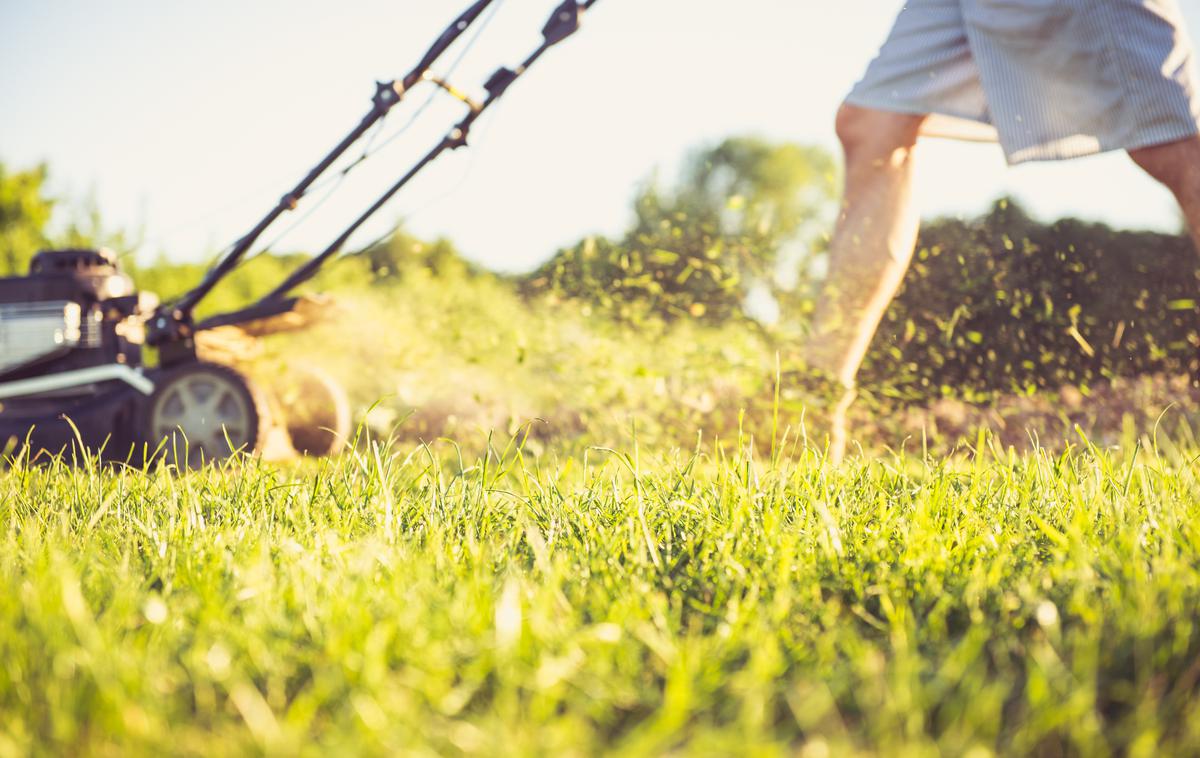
(819, 403)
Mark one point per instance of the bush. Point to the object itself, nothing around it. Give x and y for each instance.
(395, 259)
(1004, 303)
(633, 282)
(741, 212)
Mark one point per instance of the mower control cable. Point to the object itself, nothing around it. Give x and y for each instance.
(172, 323)
(371, 148)
(565, 21)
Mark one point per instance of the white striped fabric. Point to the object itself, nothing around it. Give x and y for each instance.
(1050, 79)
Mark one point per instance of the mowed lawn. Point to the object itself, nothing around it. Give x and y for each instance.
(405, 601)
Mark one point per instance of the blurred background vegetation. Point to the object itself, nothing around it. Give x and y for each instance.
(677, 323)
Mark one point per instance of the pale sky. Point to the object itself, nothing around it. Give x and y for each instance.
(192, 118)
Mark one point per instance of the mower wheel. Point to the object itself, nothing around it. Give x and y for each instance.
(202, 413)
(315, 409)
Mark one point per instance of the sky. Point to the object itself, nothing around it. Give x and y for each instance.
(188, 120)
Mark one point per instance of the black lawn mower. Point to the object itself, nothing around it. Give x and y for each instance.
(72, 332)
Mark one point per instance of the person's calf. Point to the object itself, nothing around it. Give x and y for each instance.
(869, 252)
(873, 241)
(1177, 166)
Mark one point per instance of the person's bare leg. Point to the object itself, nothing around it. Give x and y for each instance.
(873, 241)
(1177, 165)
(871, 247)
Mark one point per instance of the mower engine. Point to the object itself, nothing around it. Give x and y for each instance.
(72, 377)
(66, 312)
(70, 351)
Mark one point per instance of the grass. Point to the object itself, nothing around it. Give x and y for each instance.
(588, 588)
(403, 600)
(457, 357)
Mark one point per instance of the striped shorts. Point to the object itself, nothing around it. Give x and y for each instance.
(1048, 79)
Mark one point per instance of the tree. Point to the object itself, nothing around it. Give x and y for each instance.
(732, 223)
(402, 253)
(25, 218)
(24, 213)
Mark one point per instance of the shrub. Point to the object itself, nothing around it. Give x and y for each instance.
(698, 249)
(1005, 303)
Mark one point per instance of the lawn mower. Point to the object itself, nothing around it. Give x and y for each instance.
(73, 376)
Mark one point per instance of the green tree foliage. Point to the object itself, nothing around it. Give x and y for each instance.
(393, 260)
(25, 219)
(85, 228)
(1004, 303)
(697, 248)
(403, 253)
(24, 213)
(250, 281)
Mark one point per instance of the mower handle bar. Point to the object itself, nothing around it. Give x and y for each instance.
(564, 22)
(387, 96)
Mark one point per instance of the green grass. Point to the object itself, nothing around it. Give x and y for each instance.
(555, 597)
(457, 357)
(403, 600)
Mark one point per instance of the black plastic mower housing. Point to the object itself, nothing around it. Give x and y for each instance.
(104, 294)
(103, 423)
(37, 341)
